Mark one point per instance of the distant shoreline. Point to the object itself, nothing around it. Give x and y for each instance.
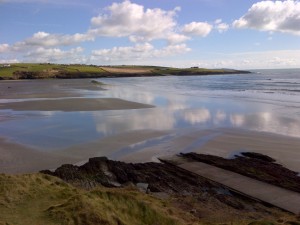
(21, 71)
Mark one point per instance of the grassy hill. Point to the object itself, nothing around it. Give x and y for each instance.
(38, 71)
(42, 71)
(35, 199)
(43, 199)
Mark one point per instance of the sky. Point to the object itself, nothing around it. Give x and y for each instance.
(205, 33)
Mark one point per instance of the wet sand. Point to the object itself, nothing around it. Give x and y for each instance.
(17, 158)
(58, 95)
(225, 143)
(23, 89)
(285, 149)
(74, 104)
(133, 146)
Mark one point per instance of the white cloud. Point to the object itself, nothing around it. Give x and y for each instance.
(282, 16)
(138, 52)
(130, 19)
(172, 50)
(176, 38)
(4, 48)
(43, 39)
(3, 61)
(120, 53)
(282, 61)
(201, 29)
(220, 26)
(124, 20)
(254, 60)
(53, 55)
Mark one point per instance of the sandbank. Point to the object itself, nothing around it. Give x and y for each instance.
(74, 104)
(18, 158)
(23, 89)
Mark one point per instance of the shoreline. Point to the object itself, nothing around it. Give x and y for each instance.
(131, 156)
(19, 158)
(132, 145)
(74, 105)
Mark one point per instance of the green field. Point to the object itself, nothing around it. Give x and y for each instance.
(192, 71)
(8, 72)
(43, 71)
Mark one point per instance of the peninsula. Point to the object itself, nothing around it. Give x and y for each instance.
(68, 71)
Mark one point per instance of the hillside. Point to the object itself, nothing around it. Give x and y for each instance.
(110, 193)
(42, 199)
(46, 71)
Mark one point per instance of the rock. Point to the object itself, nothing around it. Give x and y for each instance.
(161, 195)
(254, 165)
(154, 177)
(143, 187)
(255, 155)
(162, 180)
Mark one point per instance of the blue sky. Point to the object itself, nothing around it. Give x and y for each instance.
(206, 33)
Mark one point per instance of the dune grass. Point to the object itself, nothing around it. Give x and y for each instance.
(103, 206)
(42, 199)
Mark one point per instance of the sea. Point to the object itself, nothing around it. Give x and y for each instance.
(280, 85)
(262, 101)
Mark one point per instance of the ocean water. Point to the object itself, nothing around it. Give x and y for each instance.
(281, 86)
(263, 101)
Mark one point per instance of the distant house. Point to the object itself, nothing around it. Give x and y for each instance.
(5, 65)
(194, 67)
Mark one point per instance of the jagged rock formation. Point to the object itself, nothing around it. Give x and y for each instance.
(160, 177)
(254, 165)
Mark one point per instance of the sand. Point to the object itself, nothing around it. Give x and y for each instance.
(23, 89)
(285, 149)
(63, 95)
(58, 95)
(225, 143)
(74, 104)
(16, 158)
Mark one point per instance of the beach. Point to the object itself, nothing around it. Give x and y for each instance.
(47, 123)
(58, 96)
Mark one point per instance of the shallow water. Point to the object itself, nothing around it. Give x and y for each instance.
(268, 101)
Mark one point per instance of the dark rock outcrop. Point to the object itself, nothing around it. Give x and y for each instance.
(188, 191)
(255, 155)
(254, 165)
(161, 177)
